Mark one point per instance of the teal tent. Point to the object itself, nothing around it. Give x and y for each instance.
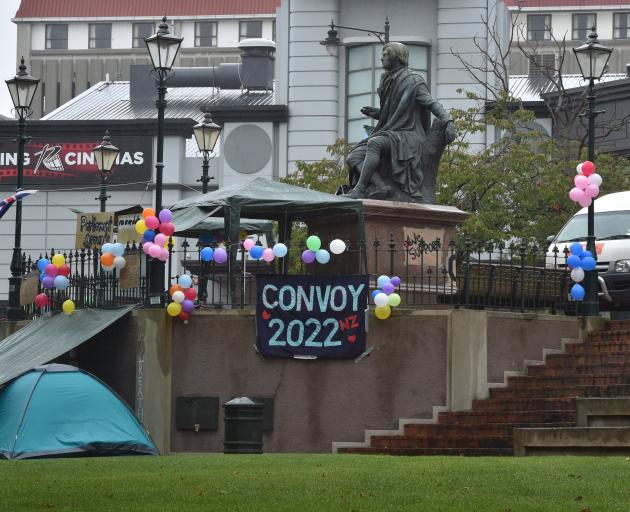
(60, 411)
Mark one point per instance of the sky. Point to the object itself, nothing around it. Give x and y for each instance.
(8, 8)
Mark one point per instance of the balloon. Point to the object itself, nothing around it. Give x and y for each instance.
(578, 169)
(141, 227)
(337, 246)
(185, 281)
(575, 194)
(308, 256)
(381, 299)
(576, 248)
(188, 305)
(256, 252)
(51, 270)
(58, 260)
(322, 256)
(118, 249)
(108, 247)
(268, 255)
(382, 312)
(588, 168)
(595, 179)
(68, 307)
(107, 259)
(577, 275)
(577, 292)
(108, 268)
(388, 288)
(581, 181)
(586, 254)
(149, 235)
(146, 246)
(592, 190)
(42, 276)
(313, 243)
(220, 255)
(41, 264)
(585, 202)
(382, 280)
(393, 300)
(165, 215)
(148, 212)
(61, 282)
(155, 250)
(48, 282)
(174, 309)
(395, 281)
(206, 254)
(178, 297)
(174, 288)
(167, 228)
(64, 270)
(280, 250)
(248, 244)
(574, 261)
(190, 293)
(152, 222)
(120, 262)
(375, 293)
(183, 316)
(164, 254)
(160, 239)
(41, 300)
(589, 263)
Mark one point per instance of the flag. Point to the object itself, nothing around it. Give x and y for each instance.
(5, 204)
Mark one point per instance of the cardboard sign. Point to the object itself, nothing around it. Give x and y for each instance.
(94, 230)
(130, 274)
(28, 288)
(127, 228)
(311, 316)
(421, 247)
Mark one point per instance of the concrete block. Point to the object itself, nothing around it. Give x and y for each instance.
(572, 441)
(603, 412)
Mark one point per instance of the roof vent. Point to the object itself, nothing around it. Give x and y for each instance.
(258, 57)
(628, 70)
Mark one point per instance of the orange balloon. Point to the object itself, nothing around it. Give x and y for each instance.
(148, 212)
(107, 259)
(175, 288)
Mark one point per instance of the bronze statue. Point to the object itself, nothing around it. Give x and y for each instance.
(399, 159)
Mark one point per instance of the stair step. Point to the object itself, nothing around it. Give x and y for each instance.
(604, 391)
(620, 335)
(608, 347)
(445, 430)
(523, 416)
(526, 382)
(397, 442)
(609, 368)
(567, 360)
(617, 325)
(430, 451)
(524, 404)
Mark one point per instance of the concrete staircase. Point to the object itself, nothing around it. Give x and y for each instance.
(545, 399)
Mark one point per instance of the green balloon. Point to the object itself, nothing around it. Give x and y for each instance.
(313, 243)
(393, 299)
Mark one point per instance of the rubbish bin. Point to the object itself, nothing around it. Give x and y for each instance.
(243, 426)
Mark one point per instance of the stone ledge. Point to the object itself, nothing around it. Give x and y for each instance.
(572, 441)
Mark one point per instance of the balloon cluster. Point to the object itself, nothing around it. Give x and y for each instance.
(54, 272)
(385, 298)
(112, 256)
(155, 231)
(257, 252)
(587, 184)
(314, 252)
(579, 261)
(182, 294)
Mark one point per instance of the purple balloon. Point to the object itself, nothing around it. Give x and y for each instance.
(395, 281)
(48, 282)
(308, 256)
(220, 255)
(188, 305)
(388, 288)
(165, 215)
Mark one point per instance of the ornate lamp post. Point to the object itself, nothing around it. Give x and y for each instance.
(332, 41)
(163, 47)
(105, 155)
(206, 134)
(22, 88)
(592, 57)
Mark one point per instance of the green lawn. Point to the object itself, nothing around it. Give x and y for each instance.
(317, 483)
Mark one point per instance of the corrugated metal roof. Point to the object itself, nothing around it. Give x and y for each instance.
(126, 8)
(530, 88)
(550, 4)
(110, 101)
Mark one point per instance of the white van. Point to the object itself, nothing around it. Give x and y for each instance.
(612, 244)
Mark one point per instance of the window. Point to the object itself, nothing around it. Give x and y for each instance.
(621, 25)
(206, 33)
(542, 63)
(249, 29)
(140, 32)
(57, 37)
(364, 74)
(582, 24)
(100, 35)
(539, 27)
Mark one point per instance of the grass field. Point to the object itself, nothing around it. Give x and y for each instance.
(316, 483)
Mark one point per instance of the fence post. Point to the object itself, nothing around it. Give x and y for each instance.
(523, 255)
(376, 244)
(468, 248)
(392, 251)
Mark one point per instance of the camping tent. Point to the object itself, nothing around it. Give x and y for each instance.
(58, 410)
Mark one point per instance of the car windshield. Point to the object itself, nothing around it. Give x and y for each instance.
(608, 226)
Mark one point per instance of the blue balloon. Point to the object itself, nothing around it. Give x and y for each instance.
(256, 252)
(108, 247)
(280, 250)
(206, 254)
(42, 276)
(576, 248)
(322, 256)
(574, 261)
(118, 249)
(61, 282)
(185, 281)
(375, 293)
(589, 263)
(41, 264)
(382, 281)
(586, 254)
(149, 235)
(577, 292)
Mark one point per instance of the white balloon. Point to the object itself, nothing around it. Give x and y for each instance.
(578, 169)
(595, 179)
(381, 299)
(108, 268)
(179, 296)
(337, 246)
(577, 275)
(119, 262)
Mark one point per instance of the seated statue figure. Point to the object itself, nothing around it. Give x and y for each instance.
(399, 159)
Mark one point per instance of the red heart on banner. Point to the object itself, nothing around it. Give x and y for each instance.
(266, 315)
(352, 338)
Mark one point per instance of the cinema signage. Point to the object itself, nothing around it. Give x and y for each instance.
(70, 162)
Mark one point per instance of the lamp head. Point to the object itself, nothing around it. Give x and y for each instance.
(592, 57)
(332, 41)
(206, 134)
(22, 88)
(163, 47)
(105, 154)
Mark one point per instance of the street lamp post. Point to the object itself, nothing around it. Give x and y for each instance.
(332, 41)
(163, 47)
(22, 88)
(206, 134)
(592, 57)
(105, 155)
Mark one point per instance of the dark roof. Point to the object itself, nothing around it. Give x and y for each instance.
(126, 8)
(552, 4)
(530, 88)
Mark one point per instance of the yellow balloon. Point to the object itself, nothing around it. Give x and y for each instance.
(174, 309)
(58, 260)
(141, 227)
(382, 312)
(68, 307)
(393, 299)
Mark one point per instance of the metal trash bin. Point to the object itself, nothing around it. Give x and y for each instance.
(243, 426)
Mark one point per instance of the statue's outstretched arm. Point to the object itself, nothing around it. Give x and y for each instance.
(372, 112)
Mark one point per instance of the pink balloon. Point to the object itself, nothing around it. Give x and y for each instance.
(160, 239)
(163, 254)
(585, 201)
(248, 244)
(167, 228)
(588, 168)
(51, 270)
(146, 246)
(152, 222)
(268, 255)
(581, 181)
(155, 251)
(576, 194)
(592, 191)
